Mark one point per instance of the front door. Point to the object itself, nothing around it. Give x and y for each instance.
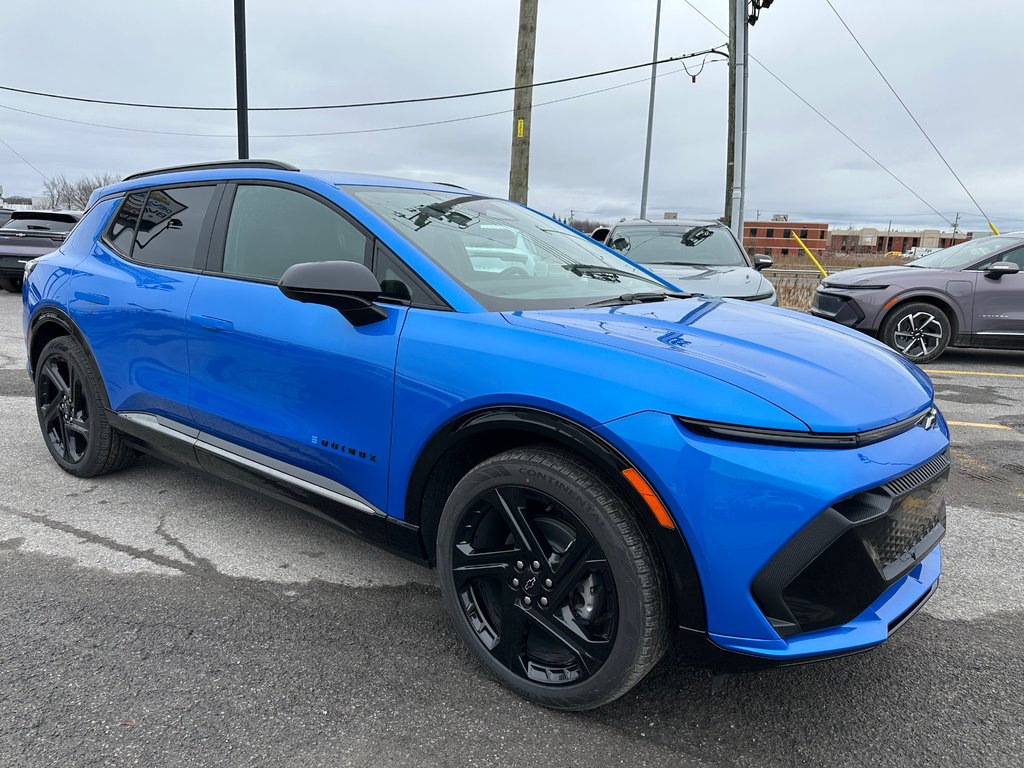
(999, 306)
(291, 386)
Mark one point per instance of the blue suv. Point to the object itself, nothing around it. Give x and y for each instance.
(595, 462)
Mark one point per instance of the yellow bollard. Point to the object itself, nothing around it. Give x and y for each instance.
(809, 254)
(993, 228)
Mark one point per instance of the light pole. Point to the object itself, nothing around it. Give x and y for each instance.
(241, 88)
(650, 116)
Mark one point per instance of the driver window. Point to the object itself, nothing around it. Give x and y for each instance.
(272, 228)
(1016, 256)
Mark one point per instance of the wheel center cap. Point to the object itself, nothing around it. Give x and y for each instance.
(531, 587)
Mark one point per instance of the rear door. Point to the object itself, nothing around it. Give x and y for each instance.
(999, 305)
(293, 387)
(130, 297)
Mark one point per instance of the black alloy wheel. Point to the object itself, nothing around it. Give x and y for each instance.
(550, 580)
(71, 415)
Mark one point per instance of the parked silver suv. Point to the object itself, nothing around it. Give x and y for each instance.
(970, 295)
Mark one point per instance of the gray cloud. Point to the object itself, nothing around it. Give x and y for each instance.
(954, 68)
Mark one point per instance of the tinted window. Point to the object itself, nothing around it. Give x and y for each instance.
(41, 223)
(964, 254)
(398, 282)
(273, 228)
(170, 225)
(122, 229)
(1016, 256)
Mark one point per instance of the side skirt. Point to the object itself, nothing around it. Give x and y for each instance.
(314, 494)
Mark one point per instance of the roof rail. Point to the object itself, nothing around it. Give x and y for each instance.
(448, 184)
(276, 165)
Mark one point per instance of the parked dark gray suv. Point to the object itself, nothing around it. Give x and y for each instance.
(970, 295)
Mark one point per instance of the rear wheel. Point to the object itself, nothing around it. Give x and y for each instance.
(11, 284)
(550, 580)
(920, 332)
(71, 415)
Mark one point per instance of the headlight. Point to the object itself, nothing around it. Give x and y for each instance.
(785, 437)
(842, 287)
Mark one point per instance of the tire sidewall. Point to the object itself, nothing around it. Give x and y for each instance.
(583, 504)
(892, 321)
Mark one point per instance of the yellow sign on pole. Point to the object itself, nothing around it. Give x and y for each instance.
(520, 128)
(809, 254)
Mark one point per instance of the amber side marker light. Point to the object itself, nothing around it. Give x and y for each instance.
(653, 502)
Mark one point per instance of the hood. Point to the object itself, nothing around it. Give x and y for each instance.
(734, 282)
(874, 275)
(830, 378)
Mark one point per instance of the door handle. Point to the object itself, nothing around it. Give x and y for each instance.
(213, 323)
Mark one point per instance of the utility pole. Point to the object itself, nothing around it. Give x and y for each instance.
(730, 147)
(956, 222)
(650, 115)
(738, 61)
(241, 87)
(519, 171)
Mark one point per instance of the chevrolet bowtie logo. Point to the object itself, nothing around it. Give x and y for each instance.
(930, 419)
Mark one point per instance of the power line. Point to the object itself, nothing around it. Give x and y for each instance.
(25, 161)
(333, 133)
(907, 109)
(417, 100)
(839, 130)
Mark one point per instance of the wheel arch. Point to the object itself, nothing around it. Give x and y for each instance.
(468, 439)
(944, 303)
(49, 323)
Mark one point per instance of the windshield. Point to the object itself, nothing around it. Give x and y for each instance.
(706, 246)
(508, 257)
(966, 253)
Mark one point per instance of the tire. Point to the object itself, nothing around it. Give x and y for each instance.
(920, 331)
(585, 619)
(11, 284)
(71, 412)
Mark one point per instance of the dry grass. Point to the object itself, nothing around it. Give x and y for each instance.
(834, 262)
(795, 293)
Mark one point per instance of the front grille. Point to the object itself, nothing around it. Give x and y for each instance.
(841, 561)
(826, 302)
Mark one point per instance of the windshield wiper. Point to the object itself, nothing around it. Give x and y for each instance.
(443, 210)
(608, 274)
(641, 298)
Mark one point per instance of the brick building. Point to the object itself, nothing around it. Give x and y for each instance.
(773, 237)
(870, 240)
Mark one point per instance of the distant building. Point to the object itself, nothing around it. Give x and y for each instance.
(871, 240)
(774, 238)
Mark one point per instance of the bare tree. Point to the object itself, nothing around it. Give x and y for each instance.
(59, 192)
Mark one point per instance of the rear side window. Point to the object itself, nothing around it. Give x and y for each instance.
(170, 226)
(122, 229)
(272, 228)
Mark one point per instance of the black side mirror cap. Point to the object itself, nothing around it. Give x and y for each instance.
(600, 234)
(346, 286)
(762, 261)
(1000, 268)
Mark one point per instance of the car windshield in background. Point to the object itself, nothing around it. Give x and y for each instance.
(705, 246)
(965, 254)
(507, 256)
(41, 224)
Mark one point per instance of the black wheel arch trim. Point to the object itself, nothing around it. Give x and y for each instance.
(940, 300)
(54, 315)
(687, 603)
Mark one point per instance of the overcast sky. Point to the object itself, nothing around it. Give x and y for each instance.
(956, 64)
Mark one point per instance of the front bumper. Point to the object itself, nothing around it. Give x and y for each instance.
(740, 505)
(837, 308)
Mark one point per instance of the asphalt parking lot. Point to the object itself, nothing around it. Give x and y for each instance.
(159, 618)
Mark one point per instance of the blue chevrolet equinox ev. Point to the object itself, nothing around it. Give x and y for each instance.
(595, 462)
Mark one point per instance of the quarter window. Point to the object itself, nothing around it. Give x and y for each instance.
(170, 225)
(272, 228)
(122, 229)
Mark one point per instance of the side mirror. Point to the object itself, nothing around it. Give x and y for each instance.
(600, 234)
(761, 261)
(1000, 268)
(348, 287)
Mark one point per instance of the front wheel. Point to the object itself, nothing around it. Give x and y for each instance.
(920, 332)
(550, 580)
